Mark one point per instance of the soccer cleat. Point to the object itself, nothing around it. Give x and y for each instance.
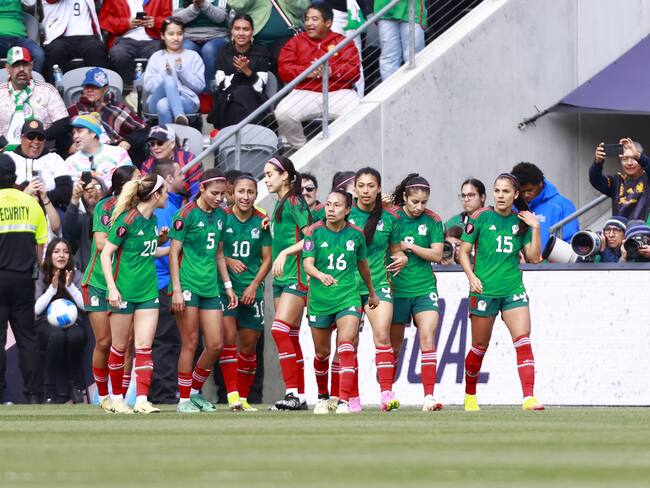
(186, 406)
(303, 405)
(201, 403)
(106, 405)
(322, 407)
(471, 403)
(333, 403)
(343, 407)
(531, 403)
(234, 402)
(145, 407)
(120, 406)
(355, 405)
(290, 402)
(388, 401)
(246, 407)
(430, 405)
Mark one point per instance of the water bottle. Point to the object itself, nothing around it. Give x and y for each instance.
(57, 74)
(137, 80)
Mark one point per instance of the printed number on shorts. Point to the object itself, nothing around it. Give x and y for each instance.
(504, 244)
(76, 9)
(520, 297)
(210, 239)
(259, 309)
(341, 264)
(241, 249)
(149, 248)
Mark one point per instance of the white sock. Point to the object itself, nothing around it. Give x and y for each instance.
(194, 392)
(101, 398)
(141, 398)
(293, 391)
(301, 397)
(183, 400)
(117, 397)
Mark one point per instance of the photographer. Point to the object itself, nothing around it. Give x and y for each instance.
(609, 243)
(636, 247)
(451, 245)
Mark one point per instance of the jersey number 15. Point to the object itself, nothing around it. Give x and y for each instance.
(504, 244)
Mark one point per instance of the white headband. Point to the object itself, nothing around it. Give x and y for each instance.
(159, 182)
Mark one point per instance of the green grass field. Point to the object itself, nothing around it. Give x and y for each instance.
(81, 446)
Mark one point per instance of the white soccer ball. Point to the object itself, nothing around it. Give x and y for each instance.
(62, 313)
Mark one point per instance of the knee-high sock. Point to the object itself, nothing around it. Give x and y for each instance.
(228, 365)
(199, 375)
(321, 369)
(116, 370)
(246, 367)
(143, 371)
(184, 385)
(354, 389)
(126, 381)
(336, 374)
(473, 363)
(101, 379)
(346, 358)
(294, 334)
(385, 367)
(428, 363)
(286, 351)
(525, 364)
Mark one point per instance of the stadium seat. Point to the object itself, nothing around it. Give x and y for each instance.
(190, 138)
(4, 76)
(72, 89)
(258, 144)
(33, 28)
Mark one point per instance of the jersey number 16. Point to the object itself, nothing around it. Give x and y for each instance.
(340, 264)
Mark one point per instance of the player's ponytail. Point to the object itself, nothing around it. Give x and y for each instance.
(372, 221)
(121, 176)
(136, 191)
(519, 202)
(295, 185)
(412, 182)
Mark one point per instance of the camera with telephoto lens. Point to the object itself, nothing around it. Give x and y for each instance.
(447, 250)
(633, 244)
(586, 244)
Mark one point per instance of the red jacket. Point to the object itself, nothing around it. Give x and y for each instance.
(114, 17)
(301, 51)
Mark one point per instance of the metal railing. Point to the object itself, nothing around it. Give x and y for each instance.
(555, 228)
(323, 61)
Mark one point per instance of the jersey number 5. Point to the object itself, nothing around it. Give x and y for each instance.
(504, 244)
(341, 264)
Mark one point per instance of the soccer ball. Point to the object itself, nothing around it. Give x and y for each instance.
(62, 313)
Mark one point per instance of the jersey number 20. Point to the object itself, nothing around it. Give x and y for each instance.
(149, 248)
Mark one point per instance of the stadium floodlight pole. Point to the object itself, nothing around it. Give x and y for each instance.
(326, 99)
(290, 86)
(238, 150)
(555, 228)
(411, 63)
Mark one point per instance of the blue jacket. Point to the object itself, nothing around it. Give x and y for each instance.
(550, 207)
(164, 216)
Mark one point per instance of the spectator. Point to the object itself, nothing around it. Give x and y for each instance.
(310, 190)
(36, 188)
(174, 77)
(163, 144)
(78, 218)
(206, 31)
(451, 245)
(166, 345)
(22, 98)
(394, 34)
(63, 347)
(241, 73)
(32, 161)
(612, 241)
(276, 21)
(133, 28)
(72, 31)
(14, 33)
(305, 102)
(545, 201)
(23, 232)
(627, 189)
(472, 197)
(638, 232)
(91, 155)
(120, 126)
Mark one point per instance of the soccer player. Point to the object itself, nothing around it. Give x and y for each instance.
(196, 252)
(416, 295)
(289, 220)
(498, 236)
(333, 251)
(247, 248)
(342, 180)
(94, 291)
(131, 284)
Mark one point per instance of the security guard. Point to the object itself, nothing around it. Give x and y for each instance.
(23, 233)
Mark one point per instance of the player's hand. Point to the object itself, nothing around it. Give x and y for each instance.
(406, 246)
(475, 284)
(529, 218)
(599, 156)
(232, 299)
(327, 280)
(373, 301)
(68, 277)
(178, 301)
(114, 297)
(163, 236)
(398, 264)
(55, 280)
(265, 223)
(278, 264)
(248, 297)
(236, 265)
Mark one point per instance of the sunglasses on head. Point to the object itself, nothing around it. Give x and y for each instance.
(309, 189)
(156, 143)
(33, 136)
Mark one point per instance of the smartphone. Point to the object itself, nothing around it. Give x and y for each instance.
(86, 177)
(3, 141)
(140, 15)
(613, 149)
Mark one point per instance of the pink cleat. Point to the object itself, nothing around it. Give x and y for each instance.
(355, 405)
(388, 401)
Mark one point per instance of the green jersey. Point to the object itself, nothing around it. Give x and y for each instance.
(386, 233)
(497, 248)
(134, 269)
(457, 220)
(286, 233)
(335, 254)
(101, 223)
(244, 240)
(318, 213)
(417, 278)
(200, 233)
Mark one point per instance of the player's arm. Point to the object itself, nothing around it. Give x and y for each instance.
(106, 258)
(178, 303)
(364, 271)
(248, 296)
(464, 253)
(399, 259)
(532, 250)
(100, 239)
(312, 271)
(223, 272)
(433, 253)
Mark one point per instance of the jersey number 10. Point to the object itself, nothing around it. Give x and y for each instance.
(241, 249)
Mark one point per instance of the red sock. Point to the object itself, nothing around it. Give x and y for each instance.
(184, 385)
(354, 389)
(294, 334)
(101, 380)
(321, 368)
(246, 366)
(126, 381)
(473, 368)
(199, 375)
(394, 367)
(228, 365)
(335, 373)
(385, 367)
(116, 370)
(428, 363)
(346, 358)
(143, 371)
(287, 353)
(525, 364)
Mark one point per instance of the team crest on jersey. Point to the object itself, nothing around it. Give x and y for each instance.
(105, 219)
(422, 230)
(219, 224)
(481, 306)
(121, 231)
(349, 245)
(380, 226)
(515, 229)
(94, 301)
(409, 240)
(469, 228)
(179, 224)
(309, 245)
(255, 233)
